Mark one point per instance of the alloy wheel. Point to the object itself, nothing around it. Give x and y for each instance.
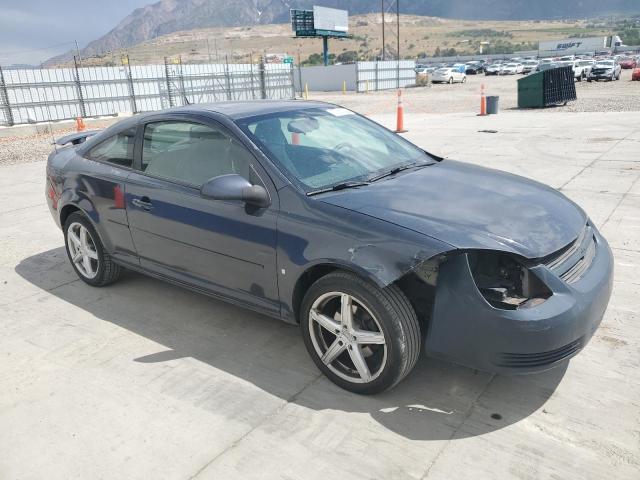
(347, 337)
(82, 249)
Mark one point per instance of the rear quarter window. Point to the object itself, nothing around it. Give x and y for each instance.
(117, 149)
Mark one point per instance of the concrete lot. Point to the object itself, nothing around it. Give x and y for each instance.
(145, 380)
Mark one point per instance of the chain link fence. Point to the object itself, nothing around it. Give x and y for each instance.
(40, 95)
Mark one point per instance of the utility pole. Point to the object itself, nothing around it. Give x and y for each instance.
(78, 52)
(398, 46)
(382, 9)
(398, 24)
(208, 50)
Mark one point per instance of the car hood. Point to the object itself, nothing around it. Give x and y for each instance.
(471, 207)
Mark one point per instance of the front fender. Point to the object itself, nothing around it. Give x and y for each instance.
(312, 233)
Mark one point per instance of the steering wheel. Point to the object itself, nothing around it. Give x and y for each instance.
(344, 146)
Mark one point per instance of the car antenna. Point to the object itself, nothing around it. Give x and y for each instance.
(53, 139)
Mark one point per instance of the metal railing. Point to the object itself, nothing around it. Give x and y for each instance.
(39, 95)
(384, 75)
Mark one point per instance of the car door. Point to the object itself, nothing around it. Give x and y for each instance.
(225, 247)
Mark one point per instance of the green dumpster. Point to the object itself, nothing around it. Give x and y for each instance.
(550, 87)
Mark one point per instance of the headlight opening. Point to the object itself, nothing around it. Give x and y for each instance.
(506, 283)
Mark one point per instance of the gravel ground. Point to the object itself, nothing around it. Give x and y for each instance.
(25, 149)
(620, 96)
(34, 148)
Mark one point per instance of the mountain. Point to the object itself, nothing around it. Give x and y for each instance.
(167, 16)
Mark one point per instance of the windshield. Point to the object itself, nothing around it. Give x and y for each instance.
(322, 147)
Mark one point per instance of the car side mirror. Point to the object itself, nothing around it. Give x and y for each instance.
(235, 187)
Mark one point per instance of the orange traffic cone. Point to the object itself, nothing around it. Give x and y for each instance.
(483, 102)
(80, 127)
(400, 115)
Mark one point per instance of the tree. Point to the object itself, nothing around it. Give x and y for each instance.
(437, 52)
(348, 56)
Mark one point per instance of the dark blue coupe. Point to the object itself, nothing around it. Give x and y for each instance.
(311, 213)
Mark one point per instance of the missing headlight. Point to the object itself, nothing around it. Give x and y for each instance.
(506, 283)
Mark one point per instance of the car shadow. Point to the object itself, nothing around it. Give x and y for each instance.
(438, 400)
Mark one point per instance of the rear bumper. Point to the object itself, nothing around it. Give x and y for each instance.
(465, 329)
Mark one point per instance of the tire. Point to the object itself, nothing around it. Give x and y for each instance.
(450, 80)
(464, 80)
(101, 270)
(385, 314)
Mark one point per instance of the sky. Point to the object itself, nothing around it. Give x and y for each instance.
(32, 31)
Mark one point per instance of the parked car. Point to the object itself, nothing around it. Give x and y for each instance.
(493, 69)
(636, 74)
(474, 68)
(529, 66)
(307, 212)
(605, 70)
(583, 67)
(546, 66)
(628, 62)
(448, 75)
(511, 69)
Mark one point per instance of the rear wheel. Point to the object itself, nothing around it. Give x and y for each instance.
(87, 254)
(363, 338)
(450, 80)
(464, 79)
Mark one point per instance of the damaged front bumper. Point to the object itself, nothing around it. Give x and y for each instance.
(466, 329)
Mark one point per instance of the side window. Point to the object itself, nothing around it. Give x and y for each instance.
(191, 153)
(117, 149)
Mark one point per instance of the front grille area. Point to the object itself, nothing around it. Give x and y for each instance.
(572, 262)
(527, 360)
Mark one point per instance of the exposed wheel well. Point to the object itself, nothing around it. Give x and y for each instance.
(419, 293)
(65, 212)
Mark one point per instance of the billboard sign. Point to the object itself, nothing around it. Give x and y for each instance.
(330, 19)
(569, 46)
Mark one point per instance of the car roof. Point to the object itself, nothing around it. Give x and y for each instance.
(250, 108)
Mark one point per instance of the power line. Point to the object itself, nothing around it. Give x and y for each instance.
(18, 52)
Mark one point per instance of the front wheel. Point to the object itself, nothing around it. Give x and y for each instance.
(365, 339)
(464, 79)
(450, 80)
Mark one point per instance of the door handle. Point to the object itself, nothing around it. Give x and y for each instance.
(142, 202)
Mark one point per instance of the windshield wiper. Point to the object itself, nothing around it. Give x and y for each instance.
(337, 186)
(397, 169)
